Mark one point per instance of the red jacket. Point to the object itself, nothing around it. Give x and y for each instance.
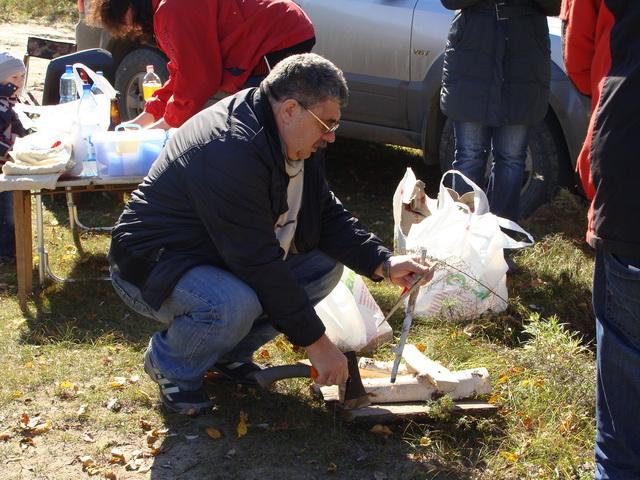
(587, 57)
(214, 45)
(602, 55)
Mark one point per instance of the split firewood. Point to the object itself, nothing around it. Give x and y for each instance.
(377, 368)
(428, 370)
(408, 388)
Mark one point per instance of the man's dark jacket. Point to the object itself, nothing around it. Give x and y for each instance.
(213, 197)
(497, 72)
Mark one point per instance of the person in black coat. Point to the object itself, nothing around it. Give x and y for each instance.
(495, 85)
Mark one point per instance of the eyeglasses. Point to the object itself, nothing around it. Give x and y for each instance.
(326, 127)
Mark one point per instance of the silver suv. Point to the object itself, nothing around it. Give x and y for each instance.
(392, 55)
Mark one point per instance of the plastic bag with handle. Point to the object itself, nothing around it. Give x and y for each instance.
(466, 241)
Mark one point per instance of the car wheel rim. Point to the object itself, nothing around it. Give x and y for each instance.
(134, 103)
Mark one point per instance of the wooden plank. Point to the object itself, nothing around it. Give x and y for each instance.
(24, 247)
(393, 413)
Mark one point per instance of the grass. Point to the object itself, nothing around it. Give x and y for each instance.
(44, 10)
(77, 348)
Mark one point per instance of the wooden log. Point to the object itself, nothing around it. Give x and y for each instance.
(428, 370)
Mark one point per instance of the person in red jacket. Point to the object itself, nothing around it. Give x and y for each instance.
(212, 46)
(602, 56)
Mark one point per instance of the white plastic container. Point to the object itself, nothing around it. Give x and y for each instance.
(127, 152)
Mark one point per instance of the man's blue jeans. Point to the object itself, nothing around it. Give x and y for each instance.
(508, 143)
(212, 315)
(616, 303)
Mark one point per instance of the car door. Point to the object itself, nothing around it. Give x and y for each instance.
(370, 40)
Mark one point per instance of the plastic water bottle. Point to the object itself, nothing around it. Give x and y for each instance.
(150, 83)
(95, 89)
(88, 123)
(68, 85)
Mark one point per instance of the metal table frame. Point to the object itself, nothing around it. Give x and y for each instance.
(23, 225)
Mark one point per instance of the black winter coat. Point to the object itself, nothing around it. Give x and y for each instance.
(213, 197)
(497, 72)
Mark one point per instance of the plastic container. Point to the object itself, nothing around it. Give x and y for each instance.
(87, 124)
(150, 83)
(95, 89)
(68, 91)
(127, 152)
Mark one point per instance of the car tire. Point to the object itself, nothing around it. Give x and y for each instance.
(544, 155)
(129, 76)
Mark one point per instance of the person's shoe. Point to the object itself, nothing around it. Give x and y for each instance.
(175, 399)
(237, 372)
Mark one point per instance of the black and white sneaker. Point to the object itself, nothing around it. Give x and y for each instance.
(237, 372)
(175, 399)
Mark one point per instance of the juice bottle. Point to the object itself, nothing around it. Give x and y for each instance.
(150, 83)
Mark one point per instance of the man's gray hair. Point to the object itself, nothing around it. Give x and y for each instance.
(307, 78)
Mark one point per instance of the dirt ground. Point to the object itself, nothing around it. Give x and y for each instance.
(13, 38)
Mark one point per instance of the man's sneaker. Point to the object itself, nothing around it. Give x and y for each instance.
(175, 399)
(237, 372)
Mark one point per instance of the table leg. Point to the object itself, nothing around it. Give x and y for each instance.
(24, 248)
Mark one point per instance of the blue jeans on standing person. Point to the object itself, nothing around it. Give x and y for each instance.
(212, 315)
(508, 143)
(7, 229)
(616, 303)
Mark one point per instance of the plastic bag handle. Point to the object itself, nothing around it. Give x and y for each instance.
(480, 200)
(102, 83)
(511, 225)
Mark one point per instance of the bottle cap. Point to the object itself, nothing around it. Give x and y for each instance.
(68, 68)
(149, 68)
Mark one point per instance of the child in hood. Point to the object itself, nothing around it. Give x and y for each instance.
(12, 77)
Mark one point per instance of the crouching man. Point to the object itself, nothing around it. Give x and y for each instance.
(234, 235)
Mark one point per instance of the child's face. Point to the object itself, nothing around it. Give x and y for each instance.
(18, 80)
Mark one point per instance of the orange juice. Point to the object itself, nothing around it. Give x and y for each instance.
(148, 89)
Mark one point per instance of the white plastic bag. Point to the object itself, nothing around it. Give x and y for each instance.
(352, 318)
(410, 206)
(470, 277)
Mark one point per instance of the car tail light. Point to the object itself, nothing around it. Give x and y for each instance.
(80, 6)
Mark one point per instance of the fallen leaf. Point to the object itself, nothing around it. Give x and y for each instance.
(332, 467)
(421, 347)
(6, 435)
(145, 425)
(86, 460)
(88, 437)
(17, 394)
(24, 418)
(118, 383)
(65, 385)
(82, 410)
(213, 433)
(381, 430)
(134, 378)
(568, 423)
(41, 428)
(27, 442)
(241, 428)
(425, 441)
(117, 456)
(510, 456)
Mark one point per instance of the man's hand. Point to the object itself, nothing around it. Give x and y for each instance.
(329, 362)
(404, 270)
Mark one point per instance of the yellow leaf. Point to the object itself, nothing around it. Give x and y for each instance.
(381, 430)
(510, 456)
(241, 429)
(425, 441)
(214, 432)
(16, 394)
(118, 382)
(421, 347)
(28, 365)
(65, 385)
(494, 399)
(332, 467)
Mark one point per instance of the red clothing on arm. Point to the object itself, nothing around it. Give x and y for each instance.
(214, 45)
(587, 57)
